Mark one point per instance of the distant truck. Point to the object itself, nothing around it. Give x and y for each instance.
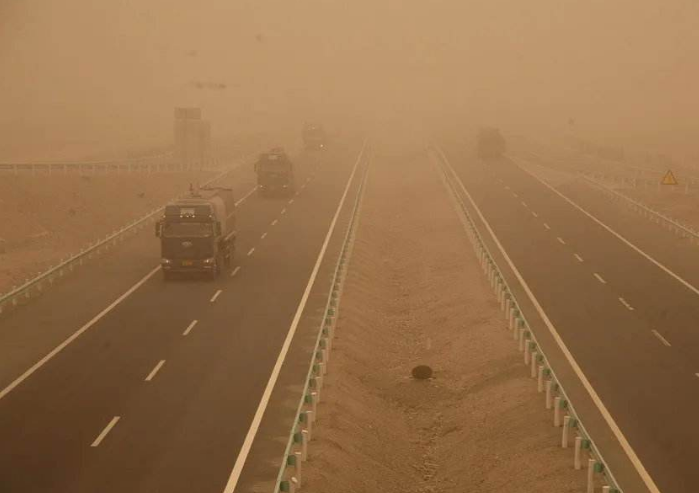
(314, 137)
(197, 234)
(490, 143)
(275, 173)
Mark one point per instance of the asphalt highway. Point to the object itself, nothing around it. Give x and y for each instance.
(623, 302)
(158, 394)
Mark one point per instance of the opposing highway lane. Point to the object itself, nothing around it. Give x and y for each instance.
(605, 298)
(159, 394)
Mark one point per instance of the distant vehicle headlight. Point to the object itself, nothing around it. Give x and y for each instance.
(209, 260)
(165, 261)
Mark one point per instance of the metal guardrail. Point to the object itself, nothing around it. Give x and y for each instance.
(653, 214)
(528, 343)
(289, 477)
(38, 284)
(146, 164)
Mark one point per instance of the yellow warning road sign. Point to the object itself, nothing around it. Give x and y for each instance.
(669, 178)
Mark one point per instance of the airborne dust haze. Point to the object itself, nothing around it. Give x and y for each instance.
(79, 76)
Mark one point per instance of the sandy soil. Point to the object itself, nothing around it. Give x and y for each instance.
(45, 219)
(415, 295)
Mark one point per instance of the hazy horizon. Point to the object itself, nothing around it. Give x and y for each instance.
(111, 74)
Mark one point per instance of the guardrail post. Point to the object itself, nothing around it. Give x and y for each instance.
(519, 324)
(540, 379)
(535, 360)
(557, 412)
(606, 489)
(566, 428)
(577, 462)
(549, 394)
(591, 464)
(527, 348)
(521, 339)
(514, 313)
(294, 461)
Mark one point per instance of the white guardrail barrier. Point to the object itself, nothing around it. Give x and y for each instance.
(160, 163)
(38, 284)
(296, 452)
(573, 432)
(654, 215)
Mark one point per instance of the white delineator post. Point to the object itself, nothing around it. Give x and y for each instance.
(577, 462)
(566, 427)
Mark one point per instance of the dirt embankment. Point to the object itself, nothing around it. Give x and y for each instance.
(415, 295)
(46, 218)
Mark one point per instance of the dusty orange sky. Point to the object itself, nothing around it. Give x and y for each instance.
(111, 72)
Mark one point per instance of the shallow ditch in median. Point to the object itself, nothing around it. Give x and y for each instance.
(415, 295)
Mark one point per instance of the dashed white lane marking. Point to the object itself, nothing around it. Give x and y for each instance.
(291, 201)
(599, 278)
(547, 226)
(524, 204)
(235, 271)
(216, 295)
(245, 197)
(252, 250)
(697, 375)
(76, 334)
(284, 210)
(264, 235)
(155, 370)
(578, 257)
(104, 433)
(515, 194)
(561, 241)
(535, 214)
(625, 303)
(274, 223)
(190, 327)
(264, 401)
(662, 339)
(507, 187)
(608, 418)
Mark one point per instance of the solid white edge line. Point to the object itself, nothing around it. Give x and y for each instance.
(235, 271)
(216, 295)
(155, 370)
(190, 327)
(662, 339)
(610, 230)
(106, 430)
(600, 278)
(76, 334)
(630, 452)
(264, 401)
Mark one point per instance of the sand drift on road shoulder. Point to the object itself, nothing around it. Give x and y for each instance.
(415, 295)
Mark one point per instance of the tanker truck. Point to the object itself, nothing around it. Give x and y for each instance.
(197, 234)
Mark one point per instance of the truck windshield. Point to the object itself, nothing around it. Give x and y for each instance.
(187, 230)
